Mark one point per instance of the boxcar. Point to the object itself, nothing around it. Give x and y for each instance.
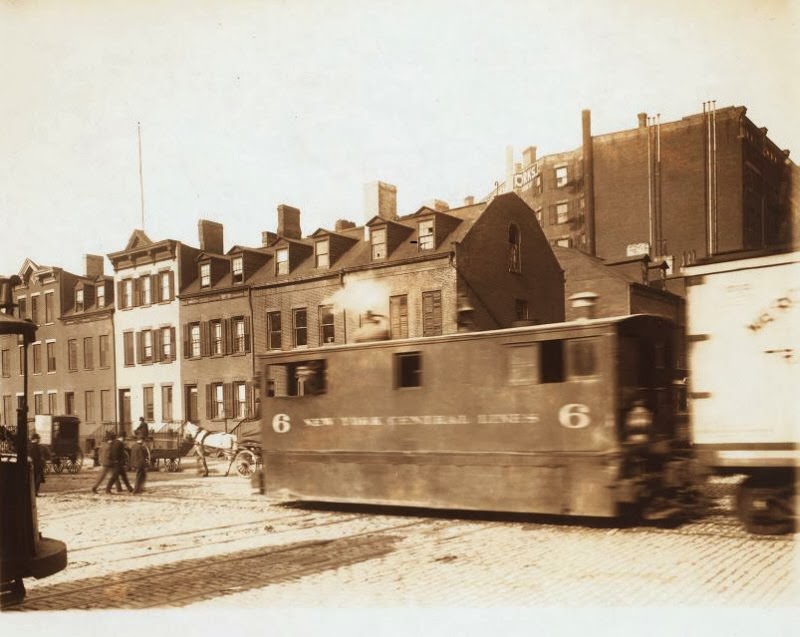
(568, 419)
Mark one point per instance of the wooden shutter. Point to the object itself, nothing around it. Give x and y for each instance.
(138, 348)
(205, 344)
(246, 333)
(209, 402)
(186, 335)
(432, 313)
(227, 397)
(227, 336)
(120, 295)
(173, 354)
(171, 285)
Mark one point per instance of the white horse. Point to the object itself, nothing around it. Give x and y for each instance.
(203, 438)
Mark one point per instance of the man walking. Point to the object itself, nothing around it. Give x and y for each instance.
(105, 462)
(139, 463)
(118, 464)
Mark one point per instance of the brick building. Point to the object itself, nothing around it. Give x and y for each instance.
(71, 362)
(678, 191)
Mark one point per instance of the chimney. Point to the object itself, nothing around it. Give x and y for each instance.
(529, 156)
(268, 238)
(7, 285)
(437, 204)
(210, 235)
(509, 169)
(289, 222)
(343, 224)
(93, 265)
(584, 304)
(642, 120)
(469, 201)
(380, 199)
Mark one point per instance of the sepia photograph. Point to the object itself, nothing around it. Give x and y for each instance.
(377, 317)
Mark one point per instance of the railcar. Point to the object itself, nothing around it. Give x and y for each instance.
(744, 360)
(571, 419)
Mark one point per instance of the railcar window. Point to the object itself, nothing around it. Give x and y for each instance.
(582, 357)
(298, 378)
(523, 364)
(552, 361)
(408, 369)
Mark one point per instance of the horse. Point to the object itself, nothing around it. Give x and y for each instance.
(203, 438)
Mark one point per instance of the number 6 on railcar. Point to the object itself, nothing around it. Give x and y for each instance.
(571, 419)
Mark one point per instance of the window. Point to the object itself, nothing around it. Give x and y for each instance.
(145, 290)
(282, 261)
(127, 348)
(426, 239)
(69, 403)
(8, 418)
(408, 369)
(326, 327)
(398, 316)
(49, 317)
(299, 327)
(241, 336)
(35, 309)
(552, 361)
(237, 269)
(100, 293)
(126, 293)
(167, 352)
(217, 401)
(564, 242)
(52, 403)
(79, 305)
(273, 330)
(582, 354)
(147, 403)
(37, 358)
(5, 363)
(51, 356)
(240, 398)
(523, 367)
(562, 212)
(165, 285)
(88, 353)
(561, 176)
(194, 340)
(23, 308)
(146, 346)
(38, 403)
(166, 403)
(205, 275)
(537, 184)
(321, 256)
(521, 309)
(106, 410)
(514, 256)
(102, 344)
(217, 341)
(72, 355)
(191, 403)
(301, 378)
(378, 240)
(88, 405)
(432, 313)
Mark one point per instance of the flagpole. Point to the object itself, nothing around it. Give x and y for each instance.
(141, 178)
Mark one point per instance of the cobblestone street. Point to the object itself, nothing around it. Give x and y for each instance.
(211, 544)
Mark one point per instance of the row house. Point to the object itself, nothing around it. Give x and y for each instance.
(71, 362)
(676, 191)
(148, 276)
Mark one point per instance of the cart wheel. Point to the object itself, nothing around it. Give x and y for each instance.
(74, 463)
(765, 509)
(245, 463)
(58, 465)
(48, 466)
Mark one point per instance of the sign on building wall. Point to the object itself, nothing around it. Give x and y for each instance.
(525, 178)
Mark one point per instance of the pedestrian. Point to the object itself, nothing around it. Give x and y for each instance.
(139, 463)
(106, 462)
(141, 430)
(38, 456)
(118, 464)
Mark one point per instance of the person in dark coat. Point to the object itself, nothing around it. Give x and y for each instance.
(105, 462)
(38, 457)
(118, 464)
(139, 464)
(141, 430)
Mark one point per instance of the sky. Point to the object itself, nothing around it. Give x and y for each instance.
(242, 106)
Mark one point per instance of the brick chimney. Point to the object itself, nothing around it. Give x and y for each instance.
(380, 199)
(438, 205)
(289, 222)
(469, 200)
(210, 236)
(529, 156)
(268, 238)
(642, 120)
(343, 224)
(93, 264)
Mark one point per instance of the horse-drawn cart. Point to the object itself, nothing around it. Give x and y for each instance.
(59, 435)
(168, 445)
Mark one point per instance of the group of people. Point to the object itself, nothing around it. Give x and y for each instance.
(112, 459)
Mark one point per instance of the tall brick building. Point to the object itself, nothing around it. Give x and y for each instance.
(679, 191)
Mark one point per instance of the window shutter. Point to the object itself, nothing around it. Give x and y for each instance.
(205, 345)
(137, 293)
(246, 333)
(156, 345)
(173, 354)
(154, 291)
(138, 348)
(227, 394)
(120, 296)
(227, 335)
(249, 397)
(209, 403)
(171, 285)
(186, 340)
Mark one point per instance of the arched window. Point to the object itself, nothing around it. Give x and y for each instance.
(514, 252)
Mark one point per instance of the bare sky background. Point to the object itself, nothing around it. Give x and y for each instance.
(245, 105)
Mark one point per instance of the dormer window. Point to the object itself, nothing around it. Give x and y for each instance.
(237, 269)
(321, 254)
(79, 304)
(426, 238)
(378, 241)
(205, 275)
(101, 295)
(282, 261)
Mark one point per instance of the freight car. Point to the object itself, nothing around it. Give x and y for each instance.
(573, 419)
(743, 327)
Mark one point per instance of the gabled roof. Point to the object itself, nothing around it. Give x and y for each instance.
(137, 240)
